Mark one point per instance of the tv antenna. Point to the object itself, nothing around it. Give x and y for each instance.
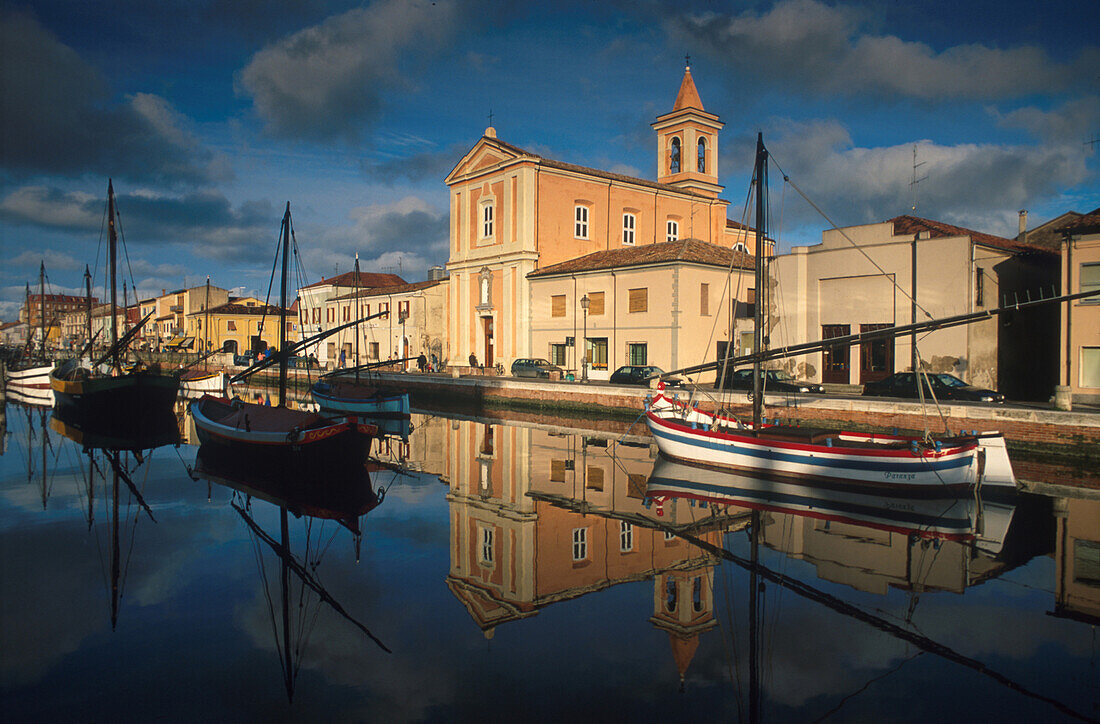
(913, 183)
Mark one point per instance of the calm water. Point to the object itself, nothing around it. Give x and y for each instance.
(521, 571)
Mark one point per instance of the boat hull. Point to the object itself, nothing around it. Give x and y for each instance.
(300, 445)
(884, 462)
(31, 385)
(121, 404)
(382, 405)
(196, 386)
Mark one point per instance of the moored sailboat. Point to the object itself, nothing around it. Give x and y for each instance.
(103, 393)
(29, 378)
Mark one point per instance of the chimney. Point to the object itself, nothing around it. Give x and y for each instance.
(1023, 225)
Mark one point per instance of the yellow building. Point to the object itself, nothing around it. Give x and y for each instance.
(514, 212)
(1079, 371)
(240, 325)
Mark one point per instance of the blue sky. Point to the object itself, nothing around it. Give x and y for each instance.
(211, 115)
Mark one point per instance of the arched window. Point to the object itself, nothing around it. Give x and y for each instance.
(674, 156)
(702, 165)
(670, 594)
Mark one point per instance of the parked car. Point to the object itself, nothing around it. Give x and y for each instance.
(536, 367)
(945, 387)
(639, 374)
(774, 381)
(244, 360)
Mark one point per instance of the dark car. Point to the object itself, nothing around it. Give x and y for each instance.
(536, 367)
(640, 374)
(944, 386)
(773, 381)
(244, 360)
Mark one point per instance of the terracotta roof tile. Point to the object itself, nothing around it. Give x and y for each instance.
(366, 279)
(684, 250)
(385, 291)
(913, 224)
(688, 97)
(1088, 223)
(231, 308)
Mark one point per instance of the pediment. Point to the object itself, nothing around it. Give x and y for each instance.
(486, 153)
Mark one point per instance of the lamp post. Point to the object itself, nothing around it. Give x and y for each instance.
(585, 301)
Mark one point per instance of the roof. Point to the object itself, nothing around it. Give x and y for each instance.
(1087, 224)
(913, 224)
(231, 308)
(688, 97)
(386, 291)
(551, 163)
(366, 279)
(691, 251)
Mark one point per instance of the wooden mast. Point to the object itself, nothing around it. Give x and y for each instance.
(358, 316)
(113, 236)
(282, 309)
(761, 283)
(88, 305)
(206, 326)
(42, 305)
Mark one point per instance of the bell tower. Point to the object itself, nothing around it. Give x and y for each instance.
(687, 142)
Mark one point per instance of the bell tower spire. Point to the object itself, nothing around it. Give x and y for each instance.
(687, 141)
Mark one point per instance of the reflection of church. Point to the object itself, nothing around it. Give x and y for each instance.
(540, 517)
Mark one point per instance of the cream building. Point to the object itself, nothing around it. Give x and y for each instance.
(514, 212)
(316, 314)
(1079, 368)
(415, 323)
(907, 269)
(669, 304)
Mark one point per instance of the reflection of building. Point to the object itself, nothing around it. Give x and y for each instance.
(540, 517)
(1077, 559)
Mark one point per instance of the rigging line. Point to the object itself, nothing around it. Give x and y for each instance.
(125, 249)
(855, 246)
(866, 686)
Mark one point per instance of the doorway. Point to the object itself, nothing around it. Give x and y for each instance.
(834, 362)
(876, 358)
(487, 326)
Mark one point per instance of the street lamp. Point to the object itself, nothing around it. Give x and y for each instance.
(585, 301)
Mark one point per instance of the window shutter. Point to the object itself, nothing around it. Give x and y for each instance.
(638, 300)
(557, 305)
(704, 299)
(595, 305)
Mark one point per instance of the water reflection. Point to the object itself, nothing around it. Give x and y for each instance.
(514, 563)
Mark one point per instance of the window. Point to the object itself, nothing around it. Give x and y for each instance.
(636, 353)
(670, 592)
(626, 536)
(746, 309)
(638, 300)
(557, 305)
(701, 165)
(673, 230)
(596, 350)
(594, 479)
(485, 555)
(595, 304)
(580, 218)
(1090, 367)
(1090, 281)
(697, 594)
(557, 471)
(487, 220)
(372, 350)
(669, 535)
(979, 287)
(580, 544)
(403, 309)
(704, 300)
(331, 314)
(347, 313)
(383, 306)
(317, 315)
(740, 246)
(629, 222)
(674, 156)
(557, 354)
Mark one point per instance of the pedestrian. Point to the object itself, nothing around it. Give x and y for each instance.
(343, 358)
(435, 363)
(473, 360)
(422, 363)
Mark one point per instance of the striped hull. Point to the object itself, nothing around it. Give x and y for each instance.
(884, 462)
(31, 377)
(389, 406)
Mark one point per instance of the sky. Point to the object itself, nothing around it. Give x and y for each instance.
(210, 115)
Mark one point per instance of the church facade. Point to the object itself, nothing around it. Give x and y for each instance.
(514, 212)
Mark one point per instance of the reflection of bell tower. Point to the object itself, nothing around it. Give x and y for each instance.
(683, 605)
(687, 143)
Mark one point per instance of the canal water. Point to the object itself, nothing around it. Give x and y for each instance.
(497, 569)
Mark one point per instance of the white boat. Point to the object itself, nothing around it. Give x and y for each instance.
(194, 385)
(352, 398)
(31, 384)
(685, 433)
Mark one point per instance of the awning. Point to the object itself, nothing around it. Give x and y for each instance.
(180, 343)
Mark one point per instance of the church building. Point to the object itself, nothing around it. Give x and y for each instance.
(514, 212)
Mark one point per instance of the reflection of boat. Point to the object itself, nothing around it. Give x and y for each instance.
(306, 442)
(949, 517)
(885, 461)
(156, 431)
(118, 399)
(31, 396)
(344, 499)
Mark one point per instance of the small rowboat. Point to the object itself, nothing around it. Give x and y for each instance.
(304, 442)
(195, 384)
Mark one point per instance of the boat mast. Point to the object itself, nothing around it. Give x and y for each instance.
(42, 305)
(282, 309)
(112, 234)
(761, 282)
(88, 305)
(206, 323)
(358, 316)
